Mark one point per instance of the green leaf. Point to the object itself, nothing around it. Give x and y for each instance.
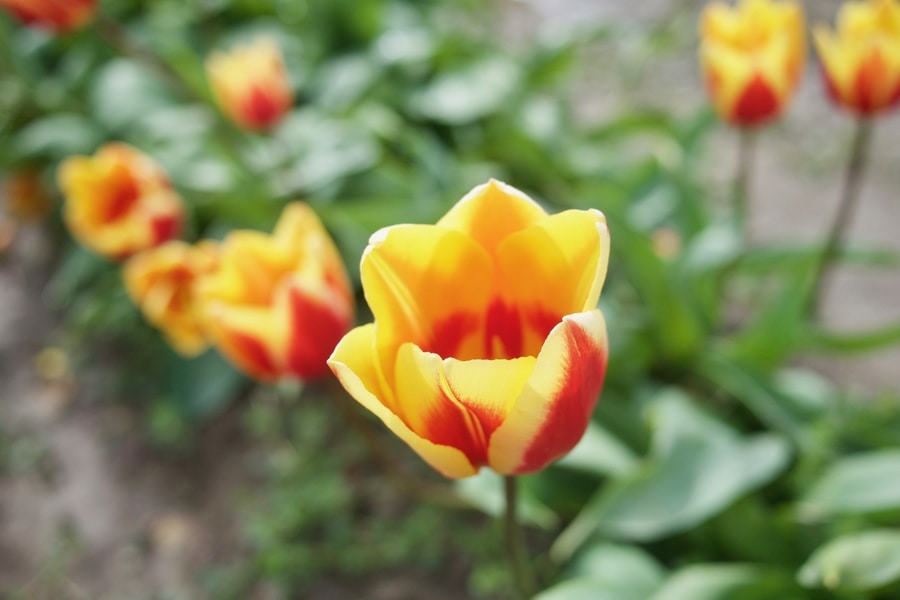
(819, 340)
(859, 484)
(466, 95)
(699, 467)
(57, 136)
(727, 582)
(601, 453)
(202, 386)
(124, 93)
(586, 588)
(627, 571)
(857, 562)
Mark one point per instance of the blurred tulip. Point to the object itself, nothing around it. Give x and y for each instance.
(277, 304)
(251, 84)
(861, 60)
(162, 281)
(487, 347)
(25, 197)
(119, 201)
(752, 57)
(56, 15)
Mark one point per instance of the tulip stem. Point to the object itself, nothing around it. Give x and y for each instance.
(849, 199)
(741, 190)
(515, 544)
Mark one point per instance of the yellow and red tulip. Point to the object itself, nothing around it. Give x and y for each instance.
(250, 84)
(162, 281)
(276, 305)
(752, 56)
(56, 15)
(119, 201)
(861, 59)
(487, 347)
(25, 197)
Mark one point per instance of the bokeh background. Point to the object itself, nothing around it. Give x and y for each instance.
(129, 472)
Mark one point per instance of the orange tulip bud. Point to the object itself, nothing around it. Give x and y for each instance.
(487, 347)
(752, 57)
(861, 60)
(277, 304)
(25, 197)
(162, 281)
(119, 201)
(251, 84)
(56, 15)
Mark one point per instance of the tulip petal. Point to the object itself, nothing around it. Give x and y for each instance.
(427, 286)
(355, 364)
(318, 319)
(555, 407)
(251, 338)
(491, 212)
(567, 256)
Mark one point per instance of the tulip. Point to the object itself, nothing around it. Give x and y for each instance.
(25, 197)
(276, 305)
(752, 57)
(119, 201)
(162, 281)
(861, 60)
(487, 347)
(251, 84)
(56, 15)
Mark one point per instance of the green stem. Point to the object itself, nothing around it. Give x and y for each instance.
(515, 545)
(741, 190)
(849, 200)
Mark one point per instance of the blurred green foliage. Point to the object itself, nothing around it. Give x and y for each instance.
(714, 469)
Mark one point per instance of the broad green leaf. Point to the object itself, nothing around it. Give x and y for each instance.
(586, 588)
(466, 95)
(601, 453)
(485, 491)
(57, 136)
(203, 386)
(124, 93)
(626, 570)
(817, 339)
(856, 562)
(727, 582)
(699, 467)
(859, 484)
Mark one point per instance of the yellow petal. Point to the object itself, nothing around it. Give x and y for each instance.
(355, 364)
(491, 212)
(428, 286)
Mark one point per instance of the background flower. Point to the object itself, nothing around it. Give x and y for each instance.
(276, 305)
(752, 56)
(119, 201)
(251, 84)
(861, 59)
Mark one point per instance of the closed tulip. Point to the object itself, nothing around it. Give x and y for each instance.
(56, 15)
(251, 84)
(861, 59)
(487, 347)
(276, 305)
(119, 201)
(752, 56)
(162, 282)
